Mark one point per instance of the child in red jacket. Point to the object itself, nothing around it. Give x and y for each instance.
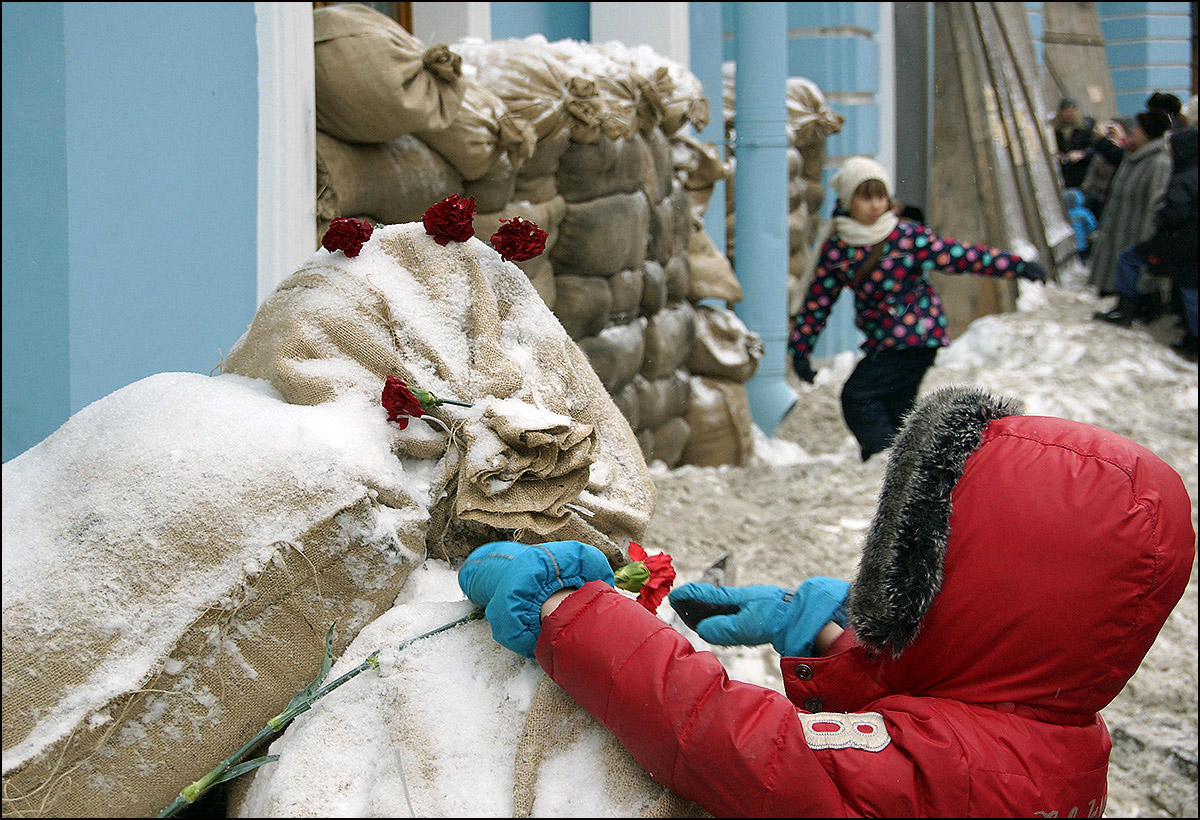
(1017, 571)
(884, 260)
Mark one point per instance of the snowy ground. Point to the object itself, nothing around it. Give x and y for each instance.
(804, 506)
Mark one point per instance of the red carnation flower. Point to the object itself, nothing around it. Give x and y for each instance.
(346, 235)
(518, 239)
(650, 576)
(400, 402)
(451, 220)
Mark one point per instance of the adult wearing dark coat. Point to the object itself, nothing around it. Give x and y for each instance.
(1171, 251)
(1137, 186)
(1074, 136)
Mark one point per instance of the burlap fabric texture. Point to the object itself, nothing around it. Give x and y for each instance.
(174, 555)
(375, 82)
(543, 454)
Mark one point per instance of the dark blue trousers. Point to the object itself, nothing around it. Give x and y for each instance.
(880, 393)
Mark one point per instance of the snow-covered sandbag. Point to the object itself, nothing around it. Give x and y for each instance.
(626, 287)
(393, 181)
(582, 304)
(679, 91)
(725, 348)
(670, 440)
(454, 725)
(616, 352)
(809, 118)
(543, 453)
(660, 400)
(607, 166)
(375, 81)
(482, 133)
(548, 215)
(173, 556)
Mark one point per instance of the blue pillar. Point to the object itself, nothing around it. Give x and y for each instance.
(760, 194)
(705, 40)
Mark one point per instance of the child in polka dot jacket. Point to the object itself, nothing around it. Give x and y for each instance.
(895, 304)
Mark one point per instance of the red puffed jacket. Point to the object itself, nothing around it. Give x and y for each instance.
(1017, 571)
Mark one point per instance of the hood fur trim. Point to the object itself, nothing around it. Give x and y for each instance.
(900, 571)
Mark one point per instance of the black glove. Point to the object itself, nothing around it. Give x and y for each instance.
(803, 368)
(1034, 272)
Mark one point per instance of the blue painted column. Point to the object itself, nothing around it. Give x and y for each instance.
(705, 41)
(760, 194)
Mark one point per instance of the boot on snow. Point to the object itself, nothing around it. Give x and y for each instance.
(1123, 314)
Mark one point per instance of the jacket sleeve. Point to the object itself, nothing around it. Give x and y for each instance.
(822, 294)
(951, 256)
(734, 748)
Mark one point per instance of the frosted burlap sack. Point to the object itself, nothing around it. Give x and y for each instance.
(375, 81)
(721, 423)
(398, 742)
(725, 348)
(679, 92)
(809, 117)
(173, 556)
(543, 453)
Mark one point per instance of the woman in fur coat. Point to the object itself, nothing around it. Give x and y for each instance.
(1017, 571)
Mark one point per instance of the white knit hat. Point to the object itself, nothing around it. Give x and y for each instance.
(854, 172)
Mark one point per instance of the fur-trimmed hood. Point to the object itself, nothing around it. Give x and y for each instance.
(1018, 559)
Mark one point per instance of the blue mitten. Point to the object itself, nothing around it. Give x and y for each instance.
(748, 616)
(511, 581)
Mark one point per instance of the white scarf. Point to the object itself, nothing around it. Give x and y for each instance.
(856, 234)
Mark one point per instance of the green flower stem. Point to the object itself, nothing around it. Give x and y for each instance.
(192, 792)
(451, 401)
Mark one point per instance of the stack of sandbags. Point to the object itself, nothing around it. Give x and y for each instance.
(810, 122)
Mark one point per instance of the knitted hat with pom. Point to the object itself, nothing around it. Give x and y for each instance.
(854, 172)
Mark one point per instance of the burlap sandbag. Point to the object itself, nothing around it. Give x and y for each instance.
(607, 166)
(809, 118)
(460, 322)
(548, 215)
(670, 225)
(679, 91)
(616, 353)
(626, 400)
(725, 348)
(661, 169)
(660, 400)
(712, 276)
(503, 725)
(670, 440)
(654, 288)
(618, 89)
(174, 555)
(721, 423)
(701, 163)
(482, 133)
(626, 287)
(495, 189)
(375, 81)
(678, 275)
(582, 304)
(670, 335)
(536, 85)
(603, 236)
(395, 181)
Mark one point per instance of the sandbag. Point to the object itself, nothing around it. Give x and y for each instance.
(173, 556)
(603, 236)
(670, 335)
(660, 400)
(482, 133)
(710, 274)
(670, 224)
(626, 400)
(536, 85)
(548, 215)
(661, 169)
(810, 120)
(724, 348)
(678, 274)
(721, 423)
(654, 288)
(502, 723)
(582, 304)
(460, 322)
(626, 287)
(679, 92)
(608, 166)
(616, 353)
(699, 162)
(618, 89)
(670, 440)
(494, 190)
(395, 181)
(375, 82)
(541, 276)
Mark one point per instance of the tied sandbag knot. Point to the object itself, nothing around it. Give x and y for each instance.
(650, 107)
(517, 139)
(442, 63)
(584, 107)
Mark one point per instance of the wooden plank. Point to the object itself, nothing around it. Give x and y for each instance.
(1075, 60)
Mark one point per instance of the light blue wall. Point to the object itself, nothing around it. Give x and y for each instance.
(1149, 49)
(36, 372)
(146, 198)
(557, 21)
